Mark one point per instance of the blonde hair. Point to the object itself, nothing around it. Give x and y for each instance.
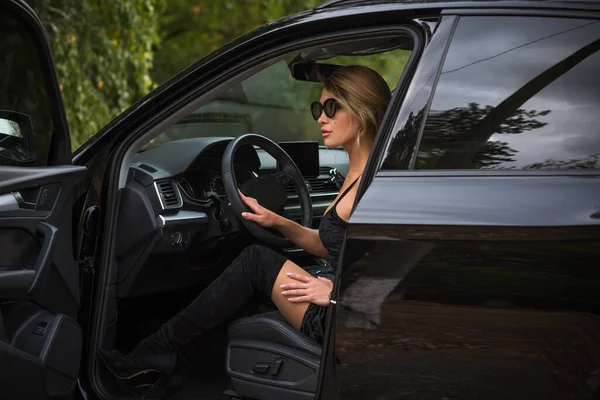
(363, 93)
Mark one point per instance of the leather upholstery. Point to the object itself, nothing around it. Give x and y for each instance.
(272, 327)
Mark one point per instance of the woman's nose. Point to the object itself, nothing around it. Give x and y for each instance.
(322, 118)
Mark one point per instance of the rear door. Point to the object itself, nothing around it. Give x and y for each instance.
(480, 232)
(40, 340)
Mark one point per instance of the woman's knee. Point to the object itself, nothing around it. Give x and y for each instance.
(254, 249)
(261, 255)
(261, 264)
(251, 255)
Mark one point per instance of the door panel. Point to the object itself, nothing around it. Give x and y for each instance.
(39, 284)
(40, 340)
(34, 202)
(472, 285)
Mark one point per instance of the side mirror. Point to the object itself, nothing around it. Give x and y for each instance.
(16, 139)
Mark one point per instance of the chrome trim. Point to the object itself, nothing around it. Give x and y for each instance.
(182, 217)
(293, 250)
(327, 194)
(322, 204)
(8, 202)
(160, 199)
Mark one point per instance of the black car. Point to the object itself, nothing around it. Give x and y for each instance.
(471, 269)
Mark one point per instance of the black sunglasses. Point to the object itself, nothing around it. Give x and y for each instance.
(330, 106)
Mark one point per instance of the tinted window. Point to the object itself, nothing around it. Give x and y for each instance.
(25, 121)
(517, 93)
(403, 139)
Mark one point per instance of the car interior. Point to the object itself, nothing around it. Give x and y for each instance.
(177, 229)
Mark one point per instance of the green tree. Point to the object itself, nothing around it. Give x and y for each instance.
(103, 51)
(192, 29)
(110, 53)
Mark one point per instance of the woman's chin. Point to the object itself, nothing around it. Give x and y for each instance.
(330, 143)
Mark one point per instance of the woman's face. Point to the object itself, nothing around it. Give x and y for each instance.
(339, 130)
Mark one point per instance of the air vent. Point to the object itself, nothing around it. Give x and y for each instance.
(168, 194)
(322, 184)
(318, 184)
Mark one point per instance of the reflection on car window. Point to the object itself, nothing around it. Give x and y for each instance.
(22, 94)
(516, 93)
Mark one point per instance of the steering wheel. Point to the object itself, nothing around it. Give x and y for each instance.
(270, 186)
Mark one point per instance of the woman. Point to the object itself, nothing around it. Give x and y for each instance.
(353, 102)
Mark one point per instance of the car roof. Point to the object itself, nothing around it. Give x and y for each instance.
(577, 4)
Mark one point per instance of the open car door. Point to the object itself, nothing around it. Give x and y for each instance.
(40, 340)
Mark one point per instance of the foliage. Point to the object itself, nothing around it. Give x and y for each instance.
(192, 29)
(110, 53)
(103, 51)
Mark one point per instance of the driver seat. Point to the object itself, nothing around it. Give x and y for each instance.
(267, 359)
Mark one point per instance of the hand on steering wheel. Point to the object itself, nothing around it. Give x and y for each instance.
(262, 216)
(269, 186)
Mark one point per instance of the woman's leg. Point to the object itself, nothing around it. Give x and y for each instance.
(293, 312)
(256, 269)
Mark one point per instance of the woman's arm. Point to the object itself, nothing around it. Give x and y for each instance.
(305, 238)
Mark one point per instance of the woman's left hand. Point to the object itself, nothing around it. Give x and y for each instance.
(308, 289)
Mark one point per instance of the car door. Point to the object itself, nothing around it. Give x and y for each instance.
(40, 339)
(478, 239)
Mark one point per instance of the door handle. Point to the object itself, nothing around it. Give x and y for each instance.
(19, 283)
(49, 234)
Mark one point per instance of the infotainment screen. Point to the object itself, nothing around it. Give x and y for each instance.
(305, 155)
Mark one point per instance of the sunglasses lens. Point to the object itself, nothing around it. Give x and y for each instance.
(330, 107)
(316, 109)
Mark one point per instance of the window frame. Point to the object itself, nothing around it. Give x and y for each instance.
(406, 26)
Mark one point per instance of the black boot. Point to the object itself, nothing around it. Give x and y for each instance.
(153, 361)
(150, 362)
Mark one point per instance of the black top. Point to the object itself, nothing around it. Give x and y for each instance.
(332, 230)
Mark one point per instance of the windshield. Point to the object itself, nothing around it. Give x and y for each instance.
(273, 104)
(270, 103)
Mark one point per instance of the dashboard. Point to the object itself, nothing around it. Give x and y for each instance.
(199, 184)
(204, 179)
(174, 201)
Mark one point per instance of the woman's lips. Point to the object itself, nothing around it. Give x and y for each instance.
(325, 133)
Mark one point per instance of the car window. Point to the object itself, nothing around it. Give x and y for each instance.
(273, 104)
(26, 125)
(516, 93)
(270, 103)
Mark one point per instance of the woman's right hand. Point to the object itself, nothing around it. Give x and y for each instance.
(262, 216)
